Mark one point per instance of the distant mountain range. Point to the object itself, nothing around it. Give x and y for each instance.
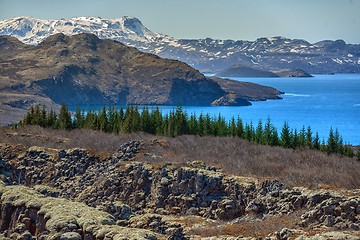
(204, 54)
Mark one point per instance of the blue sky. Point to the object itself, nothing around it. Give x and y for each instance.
(312, 20)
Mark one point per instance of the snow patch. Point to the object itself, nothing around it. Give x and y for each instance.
(337, 60)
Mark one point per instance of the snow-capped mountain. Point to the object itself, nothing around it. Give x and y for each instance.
(204, 54)
(32, 30)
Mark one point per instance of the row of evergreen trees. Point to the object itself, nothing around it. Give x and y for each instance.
(178, 122)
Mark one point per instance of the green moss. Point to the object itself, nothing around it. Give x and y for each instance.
(61, 213)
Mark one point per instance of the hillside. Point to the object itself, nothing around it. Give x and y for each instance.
(140, 186)
(85, 70)
(322, 57)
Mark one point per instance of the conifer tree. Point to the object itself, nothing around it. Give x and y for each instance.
(274, 137)
(36, 116)
(268, 132)
(157, 121)
(316, 141)
(239, 128)
(79, 119)
(285, 136)
(331, 142)
(64, 120)
(302, 137)
(309, 140)
(249, 132)
(28, 116)
(259, 132)
(43, 122)
(202, 128)
(145, 120)
(103, 120)
(232, 128)
(295, 139)
(193, 124)
(180, 121)
(347, 151)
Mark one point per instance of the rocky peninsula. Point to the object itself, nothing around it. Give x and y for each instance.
(85, 70)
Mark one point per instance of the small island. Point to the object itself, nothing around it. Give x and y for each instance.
(252, 72)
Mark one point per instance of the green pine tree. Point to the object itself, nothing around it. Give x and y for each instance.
(64, 119)
(285, 136)
(259, 133)
(331, 146)
(316, 142)
(309, 139)
(239, 127)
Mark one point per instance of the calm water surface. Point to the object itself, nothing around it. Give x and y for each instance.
(321, 102)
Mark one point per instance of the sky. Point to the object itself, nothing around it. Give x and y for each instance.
(312, 20)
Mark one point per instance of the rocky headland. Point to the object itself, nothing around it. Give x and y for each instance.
(49, 193)
(85, 70)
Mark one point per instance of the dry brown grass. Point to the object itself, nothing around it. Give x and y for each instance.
(305, 167)
(97, 141)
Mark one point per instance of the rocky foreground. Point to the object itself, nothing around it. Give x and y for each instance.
(75, 194)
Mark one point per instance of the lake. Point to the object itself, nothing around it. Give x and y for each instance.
(321, 102)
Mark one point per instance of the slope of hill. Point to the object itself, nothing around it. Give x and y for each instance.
(273, 52)
(85, 70)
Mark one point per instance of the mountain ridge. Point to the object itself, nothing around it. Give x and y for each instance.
(326, 56)
(85, 70)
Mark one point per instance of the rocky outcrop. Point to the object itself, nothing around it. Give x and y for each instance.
(26, 214)
(122, 194)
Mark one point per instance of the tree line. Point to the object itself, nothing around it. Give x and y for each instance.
(179, 122)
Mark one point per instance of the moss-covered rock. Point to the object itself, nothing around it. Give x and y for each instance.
(59, 218)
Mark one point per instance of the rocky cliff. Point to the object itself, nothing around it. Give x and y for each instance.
(74, 194)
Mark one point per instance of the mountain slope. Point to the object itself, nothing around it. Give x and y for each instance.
(211, 54)
(85, 70)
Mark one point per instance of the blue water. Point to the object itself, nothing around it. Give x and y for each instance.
(321, 102)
